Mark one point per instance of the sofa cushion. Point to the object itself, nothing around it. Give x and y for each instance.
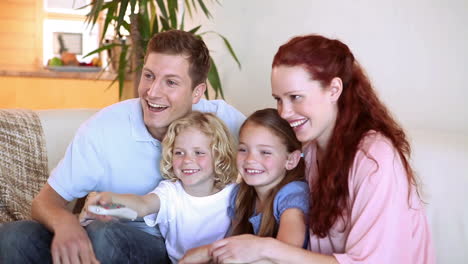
(23, 163)
(59, 126)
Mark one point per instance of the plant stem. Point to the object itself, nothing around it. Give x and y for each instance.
(137, 52)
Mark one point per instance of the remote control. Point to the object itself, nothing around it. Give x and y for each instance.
(117, 210)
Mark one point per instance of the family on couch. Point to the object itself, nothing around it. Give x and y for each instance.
(363, 205)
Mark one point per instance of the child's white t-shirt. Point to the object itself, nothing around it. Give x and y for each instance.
(187, 221)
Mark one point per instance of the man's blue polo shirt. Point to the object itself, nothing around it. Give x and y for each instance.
(113, 151)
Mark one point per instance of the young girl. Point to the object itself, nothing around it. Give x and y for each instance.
(272, 199)
(190, 206)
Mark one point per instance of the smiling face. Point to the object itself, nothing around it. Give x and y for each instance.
(308, 107)
(262, 157)
(165, 91)
(193, 161)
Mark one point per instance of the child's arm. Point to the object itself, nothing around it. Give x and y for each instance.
(142, 204)
(198, 255)
(292, 227)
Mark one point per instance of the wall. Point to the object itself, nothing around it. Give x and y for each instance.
(415, 52)
(20, 34)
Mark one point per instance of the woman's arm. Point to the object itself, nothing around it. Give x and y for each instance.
(286, 248)
(252, 249)
(142, 204)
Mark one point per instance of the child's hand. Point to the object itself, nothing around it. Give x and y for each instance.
(237, 249)
(199, 255)
(102, 199)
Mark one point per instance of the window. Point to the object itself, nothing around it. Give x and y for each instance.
(64, 29)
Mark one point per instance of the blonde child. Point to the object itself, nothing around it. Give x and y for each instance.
(272, 199)
(190, 206)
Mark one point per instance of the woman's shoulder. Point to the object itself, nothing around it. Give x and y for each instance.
(375, 145)
(377, 157)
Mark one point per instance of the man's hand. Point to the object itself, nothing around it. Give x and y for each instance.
(71, 244)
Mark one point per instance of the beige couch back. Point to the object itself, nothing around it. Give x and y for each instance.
(59, 127)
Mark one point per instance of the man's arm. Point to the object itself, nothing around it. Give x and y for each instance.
(70, 243)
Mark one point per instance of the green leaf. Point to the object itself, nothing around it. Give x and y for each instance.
(228, 46)
(172, 6)
(195, 29)
(182, 23)
(213, 78)
(132, 6)
(122, 11)
(109, 16)
(164, 23)
(144, 23)
(188, 7)
(93, 15)
(155, 28)
(205, 10)
(102, 48)
(154, 18)
(126, 25)
(162, 7)
(122, 69)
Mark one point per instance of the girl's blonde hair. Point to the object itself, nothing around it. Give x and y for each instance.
(222, 146)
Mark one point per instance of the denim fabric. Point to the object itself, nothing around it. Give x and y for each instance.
(113, 242)
(116, 242)
(25, 242)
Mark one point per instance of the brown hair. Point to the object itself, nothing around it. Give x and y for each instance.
(359, 111)
(178, 42)
(245, 202)
(222, 146)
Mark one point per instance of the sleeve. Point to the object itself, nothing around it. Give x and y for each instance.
(232, 117)
(79, 171)
(380, 225)
(293, 195)
(165, 191)
(231, 210)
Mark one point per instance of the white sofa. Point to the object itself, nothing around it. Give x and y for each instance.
(440, 160)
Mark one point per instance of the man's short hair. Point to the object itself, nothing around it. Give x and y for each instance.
(178, 42)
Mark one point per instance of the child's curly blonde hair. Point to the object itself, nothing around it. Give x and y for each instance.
(222, 146)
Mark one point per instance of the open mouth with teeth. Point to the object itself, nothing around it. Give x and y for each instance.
(156, 107)
(189, 172)
(253, 171)
(298, 123)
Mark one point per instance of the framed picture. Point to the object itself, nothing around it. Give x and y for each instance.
(75, 36)
(71, 42)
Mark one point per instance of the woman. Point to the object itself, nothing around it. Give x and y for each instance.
(364, 204)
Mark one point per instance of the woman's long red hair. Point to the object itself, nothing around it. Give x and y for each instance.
(359, 111)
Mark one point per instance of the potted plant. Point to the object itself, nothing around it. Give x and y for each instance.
(136, 21)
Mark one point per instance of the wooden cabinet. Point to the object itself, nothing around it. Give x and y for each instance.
(52, 90)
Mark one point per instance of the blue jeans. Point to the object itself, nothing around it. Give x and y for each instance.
(113, 242)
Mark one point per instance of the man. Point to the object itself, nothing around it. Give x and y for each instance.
(118, 150)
